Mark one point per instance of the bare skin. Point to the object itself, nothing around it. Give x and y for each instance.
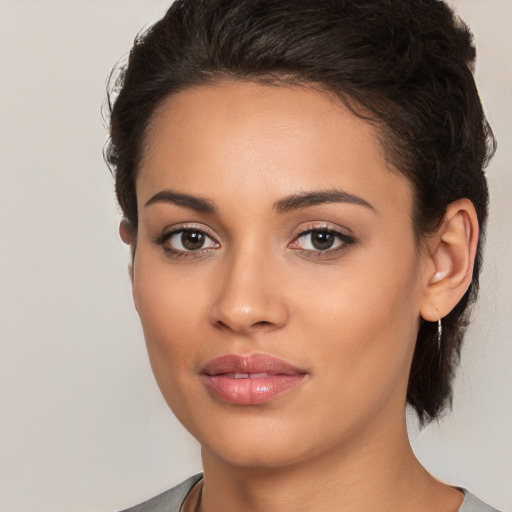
(230, 165)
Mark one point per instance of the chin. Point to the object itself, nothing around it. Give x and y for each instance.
(255, 453)
(251, 437)
(254, 440)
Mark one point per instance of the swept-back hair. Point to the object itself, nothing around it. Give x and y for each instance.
(404, 65)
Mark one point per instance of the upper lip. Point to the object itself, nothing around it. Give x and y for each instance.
(254, 363)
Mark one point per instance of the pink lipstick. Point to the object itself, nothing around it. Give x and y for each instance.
(250, 380)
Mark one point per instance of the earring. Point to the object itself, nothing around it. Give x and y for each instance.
(439, 332)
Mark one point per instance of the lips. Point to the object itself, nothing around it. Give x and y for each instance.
(250, 380)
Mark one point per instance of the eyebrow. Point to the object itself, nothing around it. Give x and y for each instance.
(284, 205)
(307, 199)
(194, 203)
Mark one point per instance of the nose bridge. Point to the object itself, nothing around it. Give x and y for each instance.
(247, 300)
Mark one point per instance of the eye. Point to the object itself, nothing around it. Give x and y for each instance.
(187, 240)
(318, 240)
(321, 240)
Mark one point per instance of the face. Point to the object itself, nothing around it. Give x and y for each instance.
(276, 274)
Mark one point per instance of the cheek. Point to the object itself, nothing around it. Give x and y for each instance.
(367, 324)
(169, 312)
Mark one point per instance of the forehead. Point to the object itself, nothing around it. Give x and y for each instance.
(237, 139)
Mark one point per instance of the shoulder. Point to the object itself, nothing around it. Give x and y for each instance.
(472, 504)
(171, 500)
(168, 501)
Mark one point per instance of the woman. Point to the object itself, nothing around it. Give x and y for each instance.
(303, 192)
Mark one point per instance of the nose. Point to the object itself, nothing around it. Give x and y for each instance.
(249, 299)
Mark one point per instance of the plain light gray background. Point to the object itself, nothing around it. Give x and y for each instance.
(82, 424)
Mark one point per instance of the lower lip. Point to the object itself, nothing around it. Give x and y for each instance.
(251, 391)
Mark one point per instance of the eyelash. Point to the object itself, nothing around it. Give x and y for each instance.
(178, 253)
(344, 241)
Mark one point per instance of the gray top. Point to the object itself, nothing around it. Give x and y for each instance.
(171, 500)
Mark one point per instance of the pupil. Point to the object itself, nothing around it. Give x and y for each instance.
(192, 240)
(322, 240)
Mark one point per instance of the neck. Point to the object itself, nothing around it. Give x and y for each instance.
(376, 473)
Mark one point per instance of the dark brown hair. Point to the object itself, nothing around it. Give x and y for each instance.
(405, 65)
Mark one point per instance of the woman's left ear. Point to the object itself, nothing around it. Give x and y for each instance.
(451, 256)
(126, 232)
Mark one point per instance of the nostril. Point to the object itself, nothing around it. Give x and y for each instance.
(255, 312)
(221, 325)
(248, 327)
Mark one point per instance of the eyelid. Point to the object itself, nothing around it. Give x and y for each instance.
(345, 238)
(321, 226)
(167, 232)
(343, 233)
